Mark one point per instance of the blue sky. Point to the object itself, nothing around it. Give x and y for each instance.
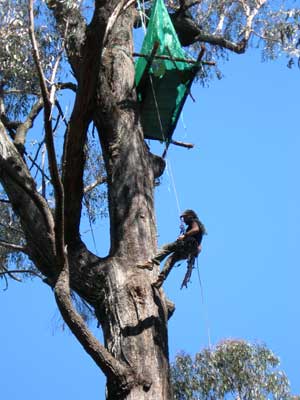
(243, 180)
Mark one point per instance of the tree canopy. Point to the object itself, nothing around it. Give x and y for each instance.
(232, 369)
(56, 149)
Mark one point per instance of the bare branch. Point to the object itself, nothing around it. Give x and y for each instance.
(61, 113)
(218, 40)
(4, 271)
(11, 273)
(182, 144)
(13, 247)
(66, 85)
(36, 154)
(24, 127)
(56, 65)
(99, 181)
(37, 167)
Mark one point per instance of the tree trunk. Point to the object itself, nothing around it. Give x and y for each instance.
(133, 314)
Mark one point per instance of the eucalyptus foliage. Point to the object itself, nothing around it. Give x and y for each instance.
(273, 26)
(233, 369)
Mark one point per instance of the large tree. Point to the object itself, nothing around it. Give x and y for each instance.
(49, 48)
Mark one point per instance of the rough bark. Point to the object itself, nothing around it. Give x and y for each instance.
(132, 313)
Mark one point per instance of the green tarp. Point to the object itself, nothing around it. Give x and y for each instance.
(162, 88)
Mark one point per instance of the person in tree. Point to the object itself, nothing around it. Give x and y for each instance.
(188, 244)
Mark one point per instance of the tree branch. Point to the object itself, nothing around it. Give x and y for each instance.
(122, 374)
(32, 209)
(99, 181)
(4, 271)
(16, 170)
(13, 247)
(24, 127)
(48, 99)
(18, 271)
(66, 85)
(76, 133)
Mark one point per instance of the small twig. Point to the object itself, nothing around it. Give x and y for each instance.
(177, 59)
(37, 166)
(61, 113)
(6, 283)
(11, 273)
(19, 271)
(182, 144)
(4, 201)
(36, 154)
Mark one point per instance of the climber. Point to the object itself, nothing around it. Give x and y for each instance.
(187, 244)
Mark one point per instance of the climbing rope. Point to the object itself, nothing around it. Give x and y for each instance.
(168, 162)
(192, 259)
(206, 318)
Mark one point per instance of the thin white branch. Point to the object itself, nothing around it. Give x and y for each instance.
(250, 16)
(12, 246)
(99, 181)
(220, 25)
(56, 65)
(36, 53)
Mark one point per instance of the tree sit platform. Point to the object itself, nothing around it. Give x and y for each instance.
(164, 76)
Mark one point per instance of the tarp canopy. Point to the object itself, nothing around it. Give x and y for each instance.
(162, 84)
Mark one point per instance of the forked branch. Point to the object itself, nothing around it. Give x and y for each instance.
(24, 127)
